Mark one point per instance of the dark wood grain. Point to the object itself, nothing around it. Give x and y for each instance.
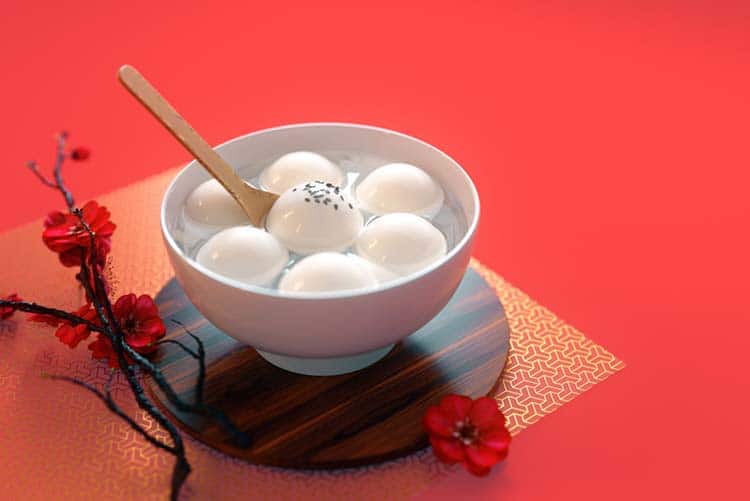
(337, 421)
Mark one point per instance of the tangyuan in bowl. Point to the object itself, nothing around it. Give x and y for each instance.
(341, 282)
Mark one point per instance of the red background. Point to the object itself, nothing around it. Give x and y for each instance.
(609, 142)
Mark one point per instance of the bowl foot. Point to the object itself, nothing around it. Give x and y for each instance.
(325, 366)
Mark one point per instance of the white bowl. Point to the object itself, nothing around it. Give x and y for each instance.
(325, 333)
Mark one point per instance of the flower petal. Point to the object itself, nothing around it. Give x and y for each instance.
(102, 349)
(138, 340)
(485, 414)
(456, 407)
(90, 210)
(70, 335)
(447, 450)
(54, 218)
(481, 456)
(106, 229)
(145, 308)
(44, 319)
(478, 471)
(437, 423)
(497, 440)
(124, 306)
(153, 328)
(71, 257)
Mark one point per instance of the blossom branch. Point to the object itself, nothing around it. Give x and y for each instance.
(35, 169)
(83, 239)
(58, 183)
(30, 307)
(201, 363)
(106, 398)
(240, 438)
(180, 344)
(59, 159)
(116, 337)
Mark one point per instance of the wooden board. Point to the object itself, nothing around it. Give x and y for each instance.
(336, 421)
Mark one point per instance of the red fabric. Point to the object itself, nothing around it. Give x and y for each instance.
(609, 142)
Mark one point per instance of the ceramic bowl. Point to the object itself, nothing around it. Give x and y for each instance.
(324, 333)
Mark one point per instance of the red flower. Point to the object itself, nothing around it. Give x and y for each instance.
(468, 431)
(67, 333)
(64, 234)
(71, 335)
(7, 311)
(101, 349)
(140, 322)
(80, 154)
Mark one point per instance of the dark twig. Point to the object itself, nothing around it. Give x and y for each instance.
(90, 277)
(182, 467)
(239, 437)
(201, 362)
(117, 339)
(58, 183)
(35, 169)
(59, 159)
(180, 344)
(28, 307)
(119, 345)
(111, 405)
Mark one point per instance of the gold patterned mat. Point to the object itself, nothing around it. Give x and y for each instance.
(59, 442)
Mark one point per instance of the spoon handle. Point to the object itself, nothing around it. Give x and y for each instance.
(255, 203)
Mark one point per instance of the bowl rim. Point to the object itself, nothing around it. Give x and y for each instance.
(345, 294)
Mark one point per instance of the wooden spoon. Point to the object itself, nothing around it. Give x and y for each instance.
(256, 203)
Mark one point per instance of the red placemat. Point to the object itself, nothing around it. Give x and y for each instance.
(57, 441)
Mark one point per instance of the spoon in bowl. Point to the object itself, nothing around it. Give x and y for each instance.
(254, 202)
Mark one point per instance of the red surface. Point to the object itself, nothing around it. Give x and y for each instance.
(609, 142)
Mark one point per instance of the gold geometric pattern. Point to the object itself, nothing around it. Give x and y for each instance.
(58, 442)
(549, 362)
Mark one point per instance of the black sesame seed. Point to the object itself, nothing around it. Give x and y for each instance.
(335, 206)
(351, 206)
(317, 201)
(307, 199)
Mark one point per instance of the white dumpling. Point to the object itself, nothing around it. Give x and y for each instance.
(327, 272)
(401, 242)
(315, 217)
(244, 253)
(210, 203)
(382, 275)
(299, 167)
(400, 187)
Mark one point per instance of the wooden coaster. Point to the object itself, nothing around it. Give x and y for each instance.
(335, 421)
